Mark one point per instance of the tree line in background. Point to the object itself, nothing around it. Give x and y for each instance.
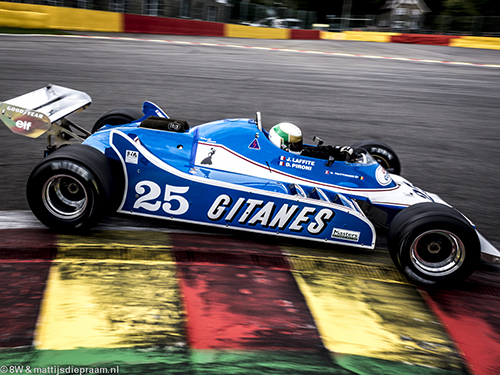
(364, 7)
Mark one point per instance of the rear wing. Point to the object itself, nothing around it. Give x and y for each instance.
(33, 114)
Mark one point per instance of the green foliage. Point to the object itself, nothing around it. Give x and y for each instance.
(367, 6)
(459, 8)
(436, 6)
(364, 7)
(487, 7)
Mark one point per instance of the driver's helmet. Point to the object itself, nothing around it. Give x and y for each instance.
(286, 136)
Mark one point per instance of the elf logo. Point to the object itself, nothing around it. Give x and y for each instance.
(25, 125)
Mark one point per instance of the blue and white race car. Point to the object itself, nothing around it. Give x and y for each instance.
(144, 163)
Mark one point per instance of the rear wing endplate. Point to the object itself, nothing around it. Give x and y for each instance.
(32, 114)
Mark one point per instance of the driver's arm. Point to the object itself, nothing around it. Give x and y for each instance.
(341, 153)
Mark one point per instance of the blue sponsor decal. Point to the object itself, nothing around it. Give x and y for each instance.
(255, 144)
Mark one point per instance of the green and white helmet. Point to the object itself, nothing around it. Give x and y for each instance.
(286, 136)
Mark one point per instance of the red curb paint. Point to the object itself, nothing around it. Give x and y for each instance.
(244, 308)
(437, 40)
(219, 243)
(240, 294)
(23, 244)
(473, 321)
(21, 288)
(225, 250)
(161, 25)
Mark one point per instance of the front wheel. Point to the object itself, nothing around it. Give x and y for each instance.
(71, 189)
(382, 153)
(433, 244)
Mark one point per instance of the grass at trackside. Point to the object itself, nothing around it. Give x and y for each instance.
(18, 30)
(181, 360)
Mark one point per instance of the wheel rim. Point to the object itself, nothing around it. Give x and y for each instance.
(65, 197)
(384, 163)
(437, 253)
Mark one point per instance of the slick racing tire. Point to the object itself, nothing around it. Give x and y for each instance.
(117, 117)
(382, 153)
(433, 244)
(71, 189)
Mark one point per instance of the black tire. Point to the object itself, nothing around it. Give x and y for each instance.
(382, 153)
(71, 189)
(433, 244)
(116, 117)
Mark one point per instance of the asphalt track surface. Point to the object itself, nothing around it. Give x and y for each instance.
(441, 118)
(436, 106)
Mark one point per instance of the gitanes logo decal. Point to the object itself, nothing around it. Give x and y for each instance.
(382, 176)
(254, 212)
(297, 163)
(344, 234)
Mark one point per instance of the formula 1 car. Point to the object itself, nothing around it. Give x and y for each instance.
(228, 174)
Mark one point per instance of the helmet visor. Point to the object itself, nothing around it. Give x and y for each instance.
(296, 146)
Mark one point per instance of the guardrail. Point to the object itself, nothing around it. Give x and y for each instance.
(31, 16)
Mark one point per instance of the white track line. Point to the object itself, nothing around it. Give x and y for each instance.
(336, 54)
(26, 220)
(293, 51)
(19, 220)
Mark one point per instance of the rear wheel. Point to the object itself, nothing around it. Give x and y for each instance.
(382, 153)
(117, 117)
(71, 189)
(433, 244)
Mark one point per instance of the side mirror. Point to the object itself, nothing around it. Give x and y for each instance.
(320, 141)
